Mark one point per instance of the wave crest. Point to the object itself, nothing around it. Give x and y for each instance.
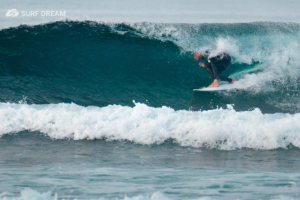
(223, 129)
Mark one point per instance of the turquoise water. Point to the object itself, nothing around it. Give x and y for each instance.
(92, 110)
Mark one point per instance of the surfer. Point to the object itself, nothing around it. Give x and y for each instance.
(215, 66)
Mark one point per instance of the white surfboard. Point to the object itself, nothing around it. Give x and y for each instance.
(221, 87)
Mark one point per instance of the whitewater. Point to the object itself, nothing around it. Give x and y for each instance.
(142, 124)
(99, 103)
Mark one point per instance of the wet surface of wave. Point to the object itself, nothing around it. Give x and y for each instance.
(101, 64)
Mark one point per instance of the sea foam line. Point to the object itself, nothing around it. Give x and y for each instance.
(29, 193)
(224, 129)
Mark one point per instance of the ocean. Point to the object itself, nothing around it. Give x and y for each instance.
(104, 108)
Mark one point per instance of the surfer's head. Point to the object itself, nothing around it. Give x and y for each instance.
(197, 57)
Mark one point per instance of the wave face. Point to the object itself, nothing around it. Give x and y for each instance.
(80, 80)
(100, 64)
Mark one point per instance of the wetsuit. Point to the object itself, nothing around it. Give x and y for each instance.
(216, 65)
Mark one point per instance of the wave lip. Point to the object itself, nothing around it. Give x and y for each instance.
(219, 128)
(148, 61)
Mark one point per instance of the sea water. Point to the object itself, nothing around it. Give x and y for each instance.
(99, 108)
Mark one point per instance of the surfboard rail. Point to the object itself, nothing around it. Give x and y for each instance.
(221, 87)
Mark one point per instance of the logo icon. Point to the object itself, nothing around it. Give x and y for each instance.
(12, 13)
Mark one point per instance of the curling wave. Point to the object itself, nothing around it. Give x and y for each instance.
(101, 64)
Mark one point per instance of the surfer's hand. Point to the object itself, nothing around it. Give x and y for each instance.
(201, 64)
(197, 57)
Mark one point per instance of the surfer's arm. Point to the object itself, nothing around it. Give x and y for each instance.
(201, 64)
(199, 57)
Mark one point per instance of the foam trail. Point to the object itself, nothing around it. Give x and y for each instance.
(222, 129)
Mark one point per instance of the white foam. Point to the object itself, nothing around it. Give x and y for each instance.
(276, 54)
(223, 129)
(154, 196)
(28, 193)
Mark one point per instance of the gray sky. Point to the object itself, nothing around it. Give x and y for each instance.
(161, 11)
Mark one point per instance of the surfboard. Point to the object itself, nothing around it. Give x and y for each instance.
(221, 87)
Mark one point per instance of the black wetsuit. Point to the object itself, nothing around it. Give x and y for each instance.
(216, 65)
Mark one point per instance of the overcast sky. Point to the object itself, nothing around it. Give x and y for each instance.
(161, 11)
